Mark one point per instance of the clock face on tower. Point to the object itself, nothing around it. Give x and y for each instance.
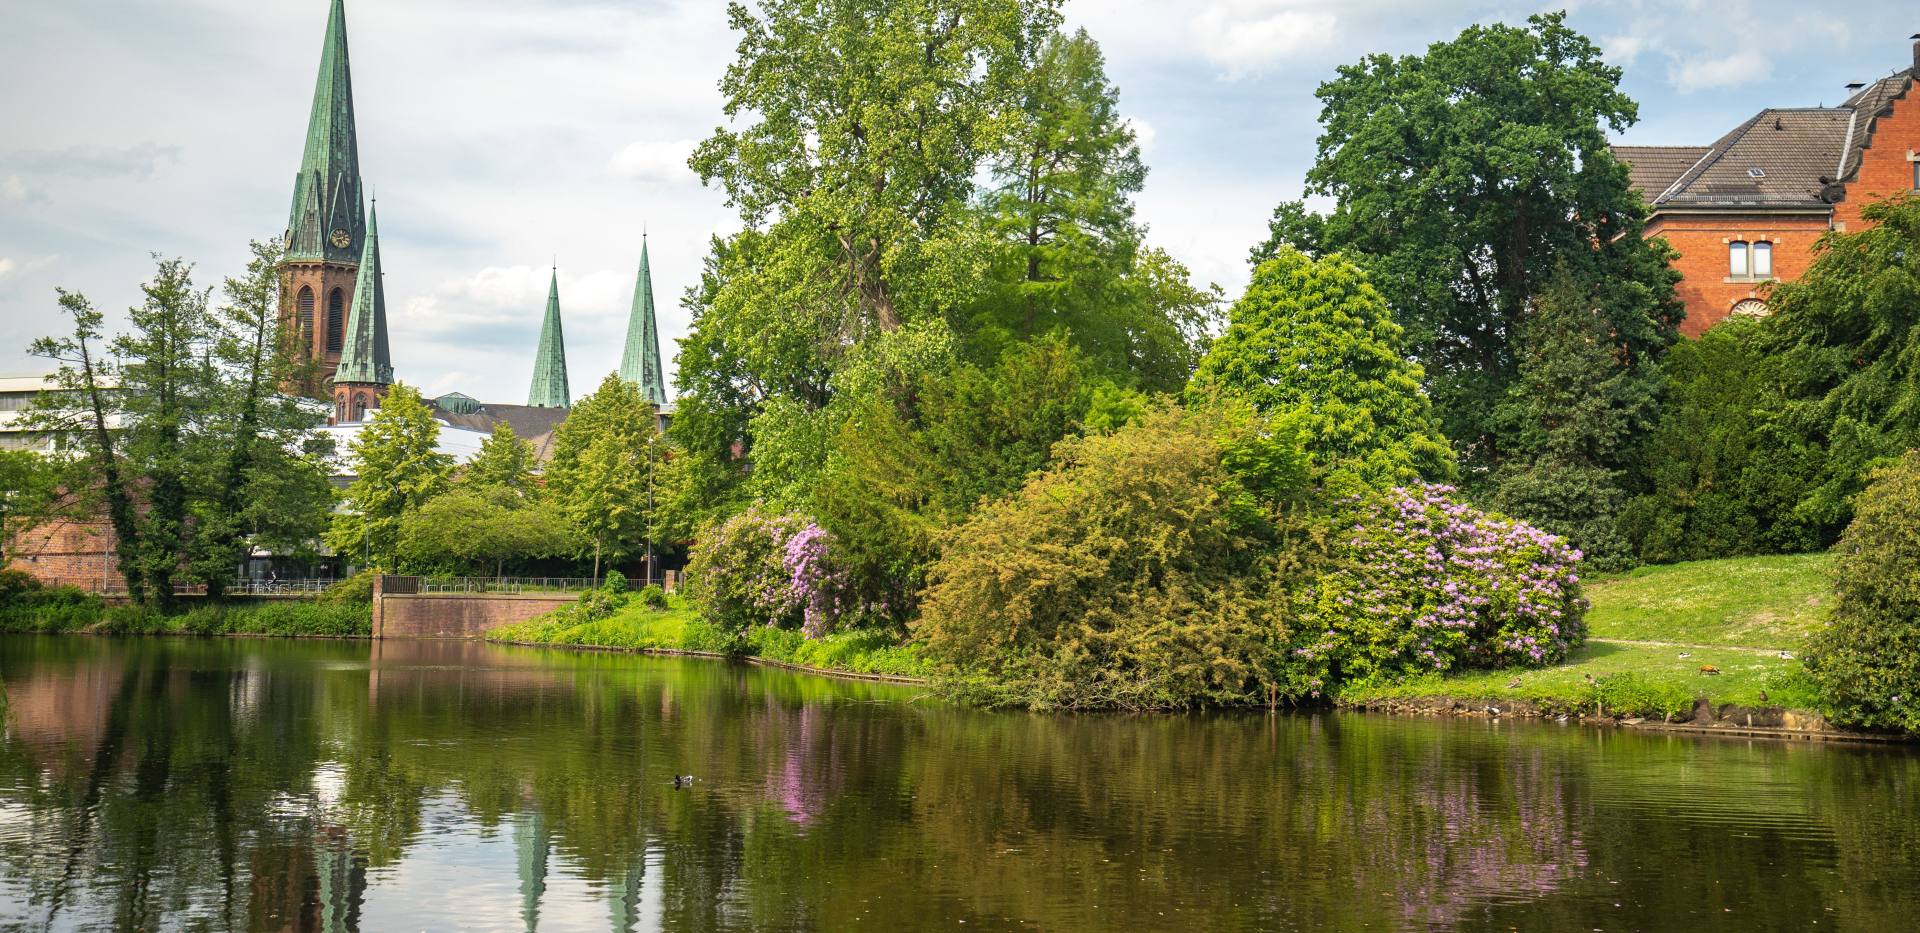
(340, 239)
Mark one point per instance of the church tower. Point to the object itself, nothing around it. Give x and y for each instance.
(640, 363)
(366, 368)
(549, 389)
(326, 229)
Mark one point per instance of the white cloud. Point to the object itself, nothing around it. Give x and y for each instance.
(1742, 67)
(651, 160)
(12, 188)
(1246, 37)
(138, 161)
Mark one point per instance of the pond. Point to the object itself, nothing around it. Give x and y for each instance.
(245, 784)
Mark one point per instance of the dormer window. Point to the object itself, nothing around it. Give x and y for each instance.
(1756, 173)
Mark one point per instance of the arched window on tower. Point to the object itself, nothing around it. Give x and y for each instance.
(305, 318)
(336, 319)
(360, 407)
(340, 410)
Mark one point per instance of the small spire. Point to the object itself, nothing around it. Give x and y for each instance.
(364, 357)
(640, 363)
(549, 388)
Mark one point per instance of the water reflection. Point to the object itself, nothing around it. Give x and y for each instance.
(249, 785)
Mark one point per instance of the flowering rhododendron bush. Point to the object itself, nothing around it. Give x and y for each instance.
(1420, 582)
(762, 568)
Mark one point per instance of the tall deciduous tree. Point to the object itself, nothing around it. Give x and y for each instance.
(867, 121)
(397, 470)
(1311, 344)
(605, 470)
(139, 415)
(1066, 253)
(267, 483)
(1461, 179)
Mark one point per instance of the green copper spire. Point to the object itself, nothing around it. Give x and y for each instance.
(549, 389)
(327, 221)
(640, 364)
(364, 357)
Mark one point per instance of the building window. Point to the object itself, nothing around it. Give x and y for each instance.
(1763, 260)
(1737, 259)
(1751, 307)
(340, 410)
(336, 319)
(360, 407)
(1916, 176)
(306, 319)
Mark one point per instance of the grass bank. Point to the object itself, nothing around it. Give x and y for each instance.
(680, 628)
(1651, 633)
(292, 618)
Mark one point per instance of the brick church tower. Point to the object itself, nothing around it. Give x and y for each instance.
(327, 229)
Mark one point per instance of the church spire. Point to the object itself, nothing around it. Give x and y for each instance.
(327, 222)
(549, 389)
(363, 356)
(640, 364)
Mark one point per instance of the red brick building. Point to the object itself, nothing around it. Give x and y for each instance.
(1746, 210)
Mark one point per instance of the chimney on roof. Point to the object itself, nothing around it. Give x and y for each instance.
(1916, 54)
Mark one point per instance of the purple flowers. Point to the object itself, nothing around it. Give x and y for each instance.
(761, 568)
(1428, 583)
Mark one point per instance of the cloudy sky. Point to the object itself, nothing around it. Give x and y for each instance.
(500, 134)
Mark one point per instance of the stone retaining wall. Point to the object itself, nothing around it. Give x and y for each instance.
(453, 615)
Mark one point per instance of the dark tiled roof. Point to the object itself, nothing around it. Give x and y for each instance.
(530, 424)
(1798, 152)
(1653, 168)
(1870, 104)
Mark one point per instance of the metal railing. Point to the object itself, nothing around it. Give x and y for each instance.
(505, 584)
(250, 587)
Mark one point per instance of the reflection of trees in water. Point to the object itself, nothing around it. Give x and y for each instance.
(199, 786)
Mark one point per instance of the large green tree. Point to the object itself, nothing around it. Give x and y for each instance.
(605, 471)
(1311, 344)
(504, 462)
(1065, 251)
(483, 528)
(397, 470)
(864, 121)
(1461, 179)
(267, 483)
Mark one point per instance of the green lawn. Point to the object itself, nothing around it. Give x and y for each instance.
(1759, 602)
(680, 628)
(1748, 609)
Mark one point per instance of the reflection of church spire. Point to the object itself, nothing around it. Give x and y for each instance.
(530, 839)
(623, 899)
(343, 881)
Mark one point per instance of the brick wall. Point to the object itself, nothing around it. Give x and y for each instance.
(1701, 242)
(455, 615)
(1885, 168)
(73, 553)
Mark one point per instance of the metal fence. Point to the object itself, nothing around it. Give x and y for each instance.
(505, 584)
(279, 587)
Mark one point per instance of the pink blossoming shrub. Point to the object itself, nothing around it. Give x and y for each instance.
(1422, 583)
(778, 570)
